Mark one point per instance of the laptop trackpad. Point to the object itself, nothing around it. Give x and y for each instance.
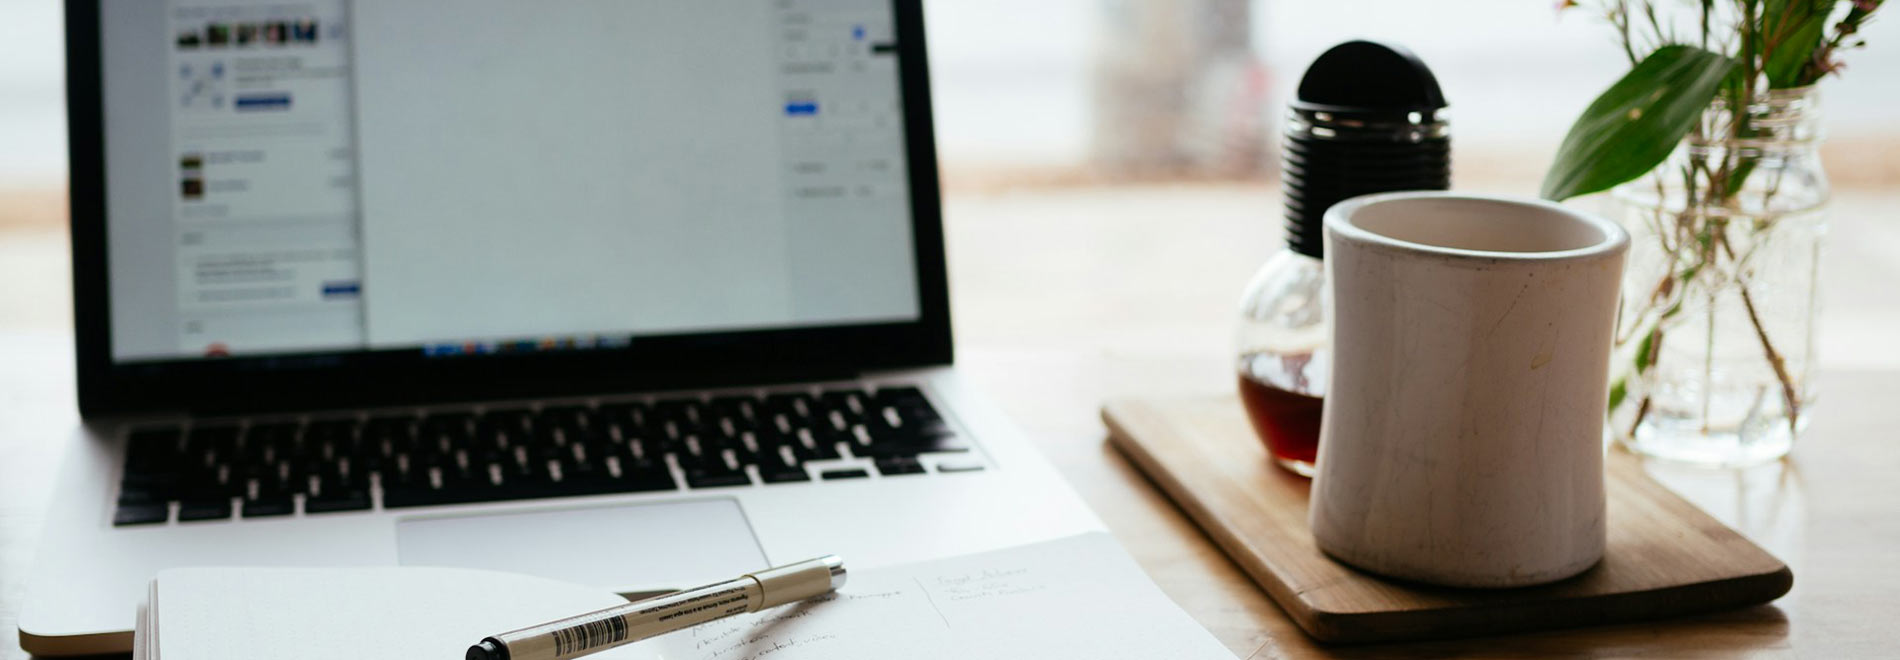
(639, 547)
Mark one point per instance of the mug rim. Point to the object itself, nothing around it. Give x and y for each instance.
(1339, 225)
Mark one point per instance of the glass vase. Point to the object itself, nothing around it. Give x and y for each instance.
(1715, 341)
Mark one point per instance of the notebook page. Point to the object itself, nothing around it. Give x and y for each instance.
(1080, 597)
(367, 613)
(141, 633)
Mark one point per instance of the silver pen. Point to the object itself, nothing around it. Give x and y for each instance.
(619, 625)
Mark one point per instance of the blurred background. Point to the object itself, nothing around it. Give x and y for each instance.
(1106, 91)
(1081, 113)
(1111, 91)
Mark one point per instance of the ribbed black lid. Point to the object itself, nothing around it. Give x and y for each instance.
(1378, 87)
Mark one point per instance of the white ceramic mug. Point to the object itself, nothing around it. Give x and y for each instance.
(1462, 438)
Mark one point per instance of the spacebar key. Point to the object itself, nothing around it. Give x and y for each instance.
(405, 497)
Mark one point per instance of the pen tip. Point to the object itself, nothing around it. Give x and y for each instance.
(838, 574)
(487, 650)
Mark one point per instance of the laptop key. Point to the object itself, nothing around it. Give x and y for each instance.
(388, 429)
(630, 418)
(274, 482)
(277, 505)
(749, 450)
(152, 451)
(780, 465)
(797, 407)
(276, 437)
(332, 438)
(642, 481)
(907, 438)
(817, 445)
(686, 416)
(898, 465)
(908, 402)
(578, 463)
(129, 494)
(640, 473)
(141, 514)
(829, 475)
(161, 486)
(521, 470)
(350, 500)
(740, 409)
(715, 476)
(784, 475)
(218, 509)
(426, 495)
(850, 404)
(203, 486)
(408, 496)
(888, 423)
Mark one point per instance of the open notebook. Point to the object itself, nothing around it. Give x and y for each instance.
(1080, 597)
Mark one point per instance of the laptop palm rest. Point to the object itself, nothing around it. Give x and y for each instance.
(639, 547)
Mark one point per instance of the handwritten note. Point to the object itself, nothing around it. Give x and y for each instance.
(1075, 597)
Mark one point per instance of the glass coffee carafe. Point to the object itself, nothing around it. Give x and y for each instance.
(1369, 119)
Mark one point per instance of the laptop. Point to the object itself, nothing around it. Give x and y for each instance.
(640, 295)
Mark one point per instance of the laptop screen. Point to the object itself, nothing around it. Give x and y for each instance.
(496, 176)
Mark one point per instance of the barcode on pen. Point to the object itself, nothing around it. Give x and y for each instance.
(576, 639)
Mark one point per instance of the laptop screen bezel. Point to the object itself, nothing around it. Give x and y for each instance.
(405, 377)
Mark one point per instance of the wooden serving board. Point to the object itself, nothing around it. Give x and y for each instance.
(1665, 556)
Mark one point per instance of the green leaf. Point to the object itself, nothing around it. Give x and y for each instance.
(1793, 40)
(1634, 125)
(1644, 350)
(1618, 392)
(1739, 177)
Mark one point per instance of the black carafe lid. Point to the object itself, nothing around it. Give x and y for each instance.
(1367, 120)
(1361, 76)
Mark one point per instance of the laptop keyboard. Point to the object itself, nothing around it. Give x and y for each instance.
(259, 469)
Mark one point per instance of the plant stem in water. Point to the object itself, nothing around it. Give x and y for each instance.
(1708, 367)
(1774, 360)
(1780, 366)
(1645, 363)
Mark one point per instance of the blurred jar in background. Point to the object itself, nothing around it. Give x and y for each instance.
(1179, 91)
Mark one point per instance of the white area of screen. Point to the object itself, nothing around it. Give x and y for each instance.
(576, 177)
(607, 168)
(140, 240)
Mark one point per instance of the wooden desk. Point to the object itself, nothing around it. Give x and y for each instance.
(1064, 299)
